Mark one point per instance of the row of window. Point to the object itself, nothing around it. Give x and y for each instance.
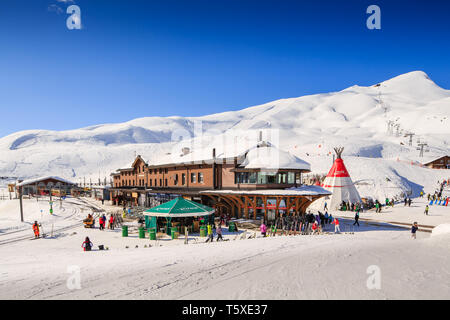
(141, 182)
(267, 177)
(193, 178)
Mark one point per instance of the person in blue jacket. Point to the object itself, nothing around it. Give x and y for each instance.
(414, 229)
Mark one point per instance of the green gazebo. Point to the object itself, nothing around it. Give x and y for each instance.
(176, 208)
(179, 208)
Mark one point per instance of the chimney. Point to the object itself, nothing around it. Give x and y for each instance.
(214, 153)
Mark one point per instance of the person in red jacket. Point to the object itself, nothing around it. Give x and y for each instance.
(101, 223)
(111, 222)
(336, 225)
(315, 228)
(87, 244)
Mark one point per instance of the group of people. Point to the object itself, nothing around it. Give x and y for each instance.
(408, 202)
(102, 222)
(218, 230)
(307, 224)
(347, 206)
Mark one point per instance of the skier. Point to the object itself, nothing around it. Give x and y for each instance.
(406, 201)
(104, 221)
(356, 218)
(111, 222)
(101, 223)
(315, 228)
(36, 229)
(421, 194)
(210, 234)
(409, 202)
(219, 232)
(336, 225)
(322, 220)
(377, 206)
(414, 229)
(87, 244)
(263, 229)
(273, 230)
(426, 210)
(325, 207)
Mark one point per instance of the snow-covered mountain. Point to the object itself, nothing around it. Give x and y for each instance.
(308, 127)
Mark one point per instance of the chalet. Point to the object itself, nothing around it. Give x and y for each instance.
(440, 163)
(45, 185)
(244, 182)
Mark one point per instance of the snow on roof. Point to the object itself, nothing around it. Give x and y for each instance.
(261, 155)
(270, 157)
(295, 191)
(36, 180)
(433, 159)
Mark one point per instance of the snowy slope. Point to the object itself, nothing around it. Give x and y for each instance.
(309, 127)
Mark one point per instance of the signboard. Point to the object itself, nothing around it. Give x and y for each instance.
(134, 194)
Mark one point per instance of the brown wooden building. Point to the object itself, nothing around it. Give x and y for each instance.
(258, 181)
(440, 163)
(45, 185)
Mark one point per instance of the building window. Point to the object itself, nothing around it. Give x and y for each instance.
(245, 177)
(150, 182)
(165, 182)
(298, 178)
(193, 178)
(155, 183)
(166, 170)
(183, 179)
(175, 182)
(160, 182)
(200, 177)
(282, 178)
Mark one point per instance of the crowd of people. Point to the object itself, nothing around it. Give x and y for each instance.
(306, 224)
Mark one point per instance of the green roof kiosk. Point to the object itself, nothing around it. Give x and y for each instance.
(177, 208)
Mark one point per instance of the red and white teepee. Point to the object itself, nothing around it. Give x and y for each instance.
(338, 182)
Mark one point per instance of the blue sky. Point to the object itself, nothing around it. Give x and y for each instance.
(159, 58)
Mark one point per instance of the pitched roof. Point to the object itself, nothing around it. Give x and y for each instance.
(37, 180)
(262, 155)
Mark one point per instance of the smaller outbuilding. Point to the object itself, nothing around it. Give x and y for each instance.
(439, 163)
(45, 185)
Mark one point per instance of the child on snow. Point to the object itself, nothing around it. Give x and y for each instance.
(315, 228)
(87, 244)
(263, 229)
(414, 229)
